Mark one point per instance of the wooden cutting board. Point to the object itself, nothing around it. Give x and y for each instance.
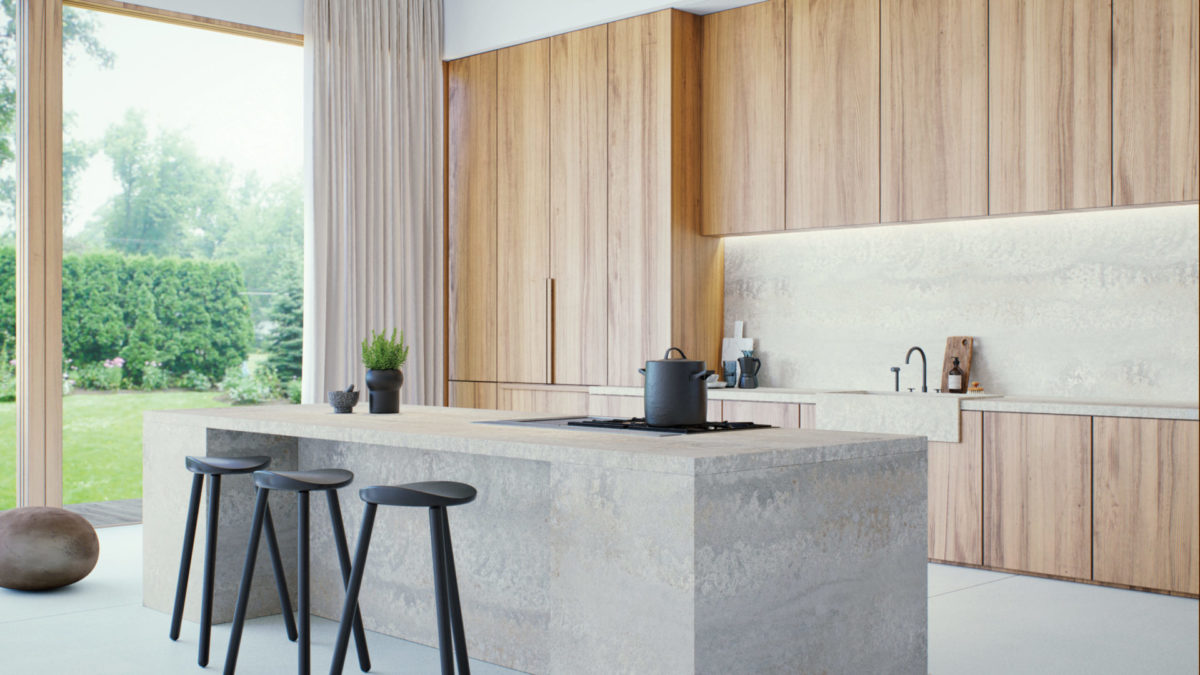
(958, 346)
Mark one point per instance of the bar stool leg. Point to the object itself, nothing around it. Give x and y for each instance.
(285, 603)
(302, 605)
(210, 561)
(456, 619)
(440, 592)
(239, 612)
(352, 588)
(185, 558)
(343, 553)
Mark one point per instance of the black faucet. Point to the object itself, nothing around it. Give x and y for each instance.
(924, 367)
(896, 372)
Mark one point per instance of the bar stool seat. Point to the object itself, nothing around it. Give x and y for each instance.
(430, 493)
(304, 481)
(214, 468)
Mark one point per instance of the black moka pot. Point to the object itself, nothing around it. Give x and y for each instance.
(676, 391)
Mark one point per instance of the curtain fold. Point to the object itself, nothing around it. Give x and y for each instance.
(374, 233)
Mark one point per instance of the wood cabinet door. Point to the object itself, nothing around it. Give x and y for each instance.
(616, 406)
(471, 395)
(1146, 523)
(784, 415)
(579, 206)
(956, 495)
(523, 213)
(471, 216)
(742, 68)
(1050, 133)
(639, 193)
(1156, 153)
(543, 399)
(1037, 493)
(808, 416)
(933, 109)
(832, 113)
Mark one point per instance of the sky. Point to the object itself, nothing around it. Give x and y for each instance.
(237, 98)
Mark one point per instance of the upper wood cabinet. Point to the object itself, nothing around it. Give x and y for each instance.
(1156, 153)
(664, 279)
(1146, 523)
(743, 69)
(934, 109)
(523, 212)
(1050, 134)
(1037, 493)
(579, 205)
(832, 113)
(956, 495)
(471, 216)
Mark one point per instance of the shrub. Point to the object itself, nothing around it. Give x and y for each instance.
(379, 352)
(8, 376)
(153, 376)
(194, 381)
(246, 388)
(293, 391)
(105, 376)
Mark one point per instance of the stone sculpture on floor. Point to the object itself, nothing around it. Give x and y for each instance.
(43, 548)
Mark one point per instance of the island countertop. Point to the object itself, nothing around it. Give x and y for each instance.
(460, 430)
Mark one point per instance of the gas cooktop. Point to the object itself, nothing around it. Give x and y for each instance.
(631, 425)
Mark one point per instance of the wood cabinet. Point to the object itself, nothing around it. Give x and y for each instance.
(471, 216)
(832, 116)
(542, 399)
(1037, 493)
(1050, 134)
(783, 415)
(934, 112)
(523, 212)
(743, 67)
(664, 279)
(471, 395)
(956, 495)
(1156, 145)
(579, 206)
(1146, 520)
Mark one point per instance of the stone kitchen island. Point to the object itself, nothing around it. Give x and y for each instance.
(767, 550)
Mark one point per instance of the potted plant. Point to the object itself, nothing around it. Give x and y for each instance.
(383, 357)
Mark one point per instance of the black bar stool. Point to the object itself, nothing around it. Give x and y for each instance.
(214, 468)
(436, 495)
(300, 482)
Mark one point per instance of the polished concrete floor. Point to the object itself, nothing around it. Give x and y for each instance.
(979, 622)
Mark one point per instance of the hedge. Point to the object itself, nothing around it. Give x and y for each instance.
(188, 315)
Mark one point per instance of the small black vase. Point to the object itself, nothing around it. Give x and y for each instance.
(383, 390)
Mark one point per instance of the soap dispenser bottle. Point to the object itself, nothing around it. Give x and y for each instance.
(954, 380)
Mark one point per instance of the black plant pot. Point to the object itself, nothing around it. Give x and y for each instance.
(383, 390)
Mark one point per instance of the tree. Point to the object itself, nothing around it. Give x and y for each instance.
(285, 344)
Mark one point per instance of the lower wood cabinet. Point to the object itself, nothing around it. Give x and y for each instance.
(1037, 493)
(956, 495)
(542, 399)
(785, 415)
(462, 394)
(1146, 519)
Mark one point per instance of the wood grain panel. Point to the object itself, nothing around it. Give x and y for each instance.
(1049, 72)
(543, 399)
(579, 204)
(523, 212)
(1156, 145)
(471, 216)
(956, 495)
(784, 415)
(742, 66)
(1146, 524)
(934, 109)
(639, 194)
(616, 406)
(832, 112)
(808, 416)
(471, 395)
(1037, 497)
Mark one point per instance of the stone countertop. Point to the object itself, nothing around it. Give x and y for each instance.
(985, 402)
(455, 430)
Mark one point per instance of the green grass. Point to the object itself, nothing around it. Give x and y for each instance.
(102, 442)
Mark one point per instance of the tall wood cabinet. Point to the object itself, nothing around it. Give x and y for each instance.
(1050, 134)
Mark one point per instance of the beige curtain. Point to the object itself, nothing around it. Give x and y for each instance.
(375, 178)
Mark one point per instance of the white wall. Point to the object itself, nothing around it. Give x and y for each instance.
(1099, 305)
(473, 26)
(285, 15)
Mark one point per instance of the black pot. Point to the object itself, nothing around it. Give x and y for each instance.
(676, 391)
(383, 390)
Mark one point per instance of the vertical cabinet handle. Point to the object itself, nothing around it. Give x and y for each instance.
(549, 330)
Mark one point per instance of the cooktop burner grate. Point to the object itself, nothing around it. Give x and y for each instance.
(639, 424)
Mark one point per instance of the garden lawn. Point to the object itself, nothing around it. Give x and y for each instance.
(102, 442)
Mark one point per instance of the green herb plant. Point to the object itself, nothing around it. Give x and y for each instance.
(379, 352)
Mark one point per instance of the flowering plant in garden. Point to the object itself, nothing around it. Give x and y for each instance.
(117, 362)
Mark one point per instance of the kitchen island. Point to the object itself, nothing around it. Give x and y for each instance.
(769, 550)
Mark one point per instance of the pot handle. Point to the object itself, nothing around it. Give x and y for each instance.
(674, 349)
(702, 375)
(642, 371)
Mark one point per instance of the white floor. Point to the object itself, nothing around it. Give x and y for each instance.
(979, 622)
